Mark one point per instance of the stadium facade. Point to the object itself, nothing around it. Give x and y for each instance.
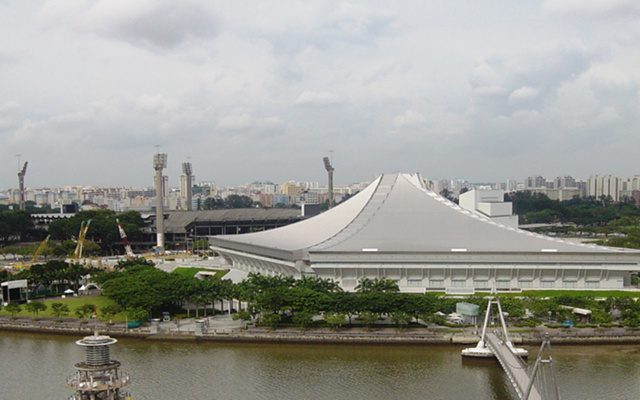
(398, 229)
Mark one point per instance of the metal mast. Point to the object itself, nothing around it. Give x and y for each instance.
(98, 377)
(159, 163)
(125, 240)
(329, 168)
(188, 172)
(21, 175)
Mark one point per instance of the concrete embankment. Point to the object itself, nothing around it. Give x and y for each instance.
(381, 336)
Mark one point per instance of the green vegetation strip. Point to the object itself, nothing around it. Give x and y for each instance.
(73, 303)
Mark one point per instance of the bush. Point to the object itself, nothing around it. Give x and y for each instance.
(270, 319)
(242, 315)
(586, 326)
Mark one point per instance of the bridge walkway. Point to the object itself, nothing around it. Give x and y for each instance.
(515, 368)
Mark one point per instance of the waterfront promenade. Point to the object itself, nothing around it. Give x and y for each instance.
(223, 328)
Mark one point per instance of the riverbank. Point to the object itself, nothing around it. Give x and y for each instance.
(224, 330)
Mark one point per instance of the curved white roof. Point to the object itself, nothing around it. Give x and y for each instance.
(397, 214)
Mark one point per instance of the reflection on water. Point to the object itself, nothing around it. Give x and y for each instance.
(35, 366)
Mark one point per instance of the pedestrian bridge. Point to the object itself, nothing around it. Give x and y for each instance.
(514, 366)
(530, 383)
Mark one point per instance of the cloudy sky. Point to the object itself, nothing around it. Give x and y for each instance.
(262, 90)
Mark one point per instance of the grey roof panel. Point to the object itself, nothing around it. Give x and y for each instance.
(397, 214)
(307, 233)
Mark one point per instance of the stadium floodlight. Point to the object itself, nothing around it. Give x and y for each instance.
(159, 161)
(327, 164)
(186, 168)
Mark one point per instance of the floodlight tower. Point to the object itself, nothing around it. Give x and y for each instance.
(159, 163)
(188, 172)
(21, 175)
(329, 168)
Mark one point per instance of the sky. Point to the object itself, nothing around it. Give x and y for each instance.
(262, 90)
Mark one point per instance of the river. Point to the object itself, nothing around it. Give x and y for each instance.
(36, 366)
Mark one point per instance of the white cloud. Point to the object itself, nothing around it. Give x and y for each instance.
(592, 8)
(608, 115)
(162, 24)
(318, 99)
(235, 122)
(409, 119)
(272, 84)
(522, 94)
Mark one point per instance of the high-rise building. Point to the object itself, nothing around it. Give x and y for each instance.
(535, 182)
(566, 181)
(605, 186)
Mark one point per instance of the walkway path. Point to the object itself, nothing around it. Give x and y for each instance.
(515, 368)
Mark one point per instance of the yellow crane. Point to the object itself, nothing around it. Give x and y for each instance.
(39, 251)
(77, 253)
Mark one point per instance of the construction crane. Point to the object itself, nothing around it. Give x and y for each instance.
(77, 253)
(39, 251)
(125, 240)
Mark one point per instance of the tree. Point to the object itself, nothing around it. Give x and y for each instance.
(201, 244)
(336, 320)
(366, 285)
(103, 228)
(302, 318)
(401, 319)
(35, 307)
(270, 319)
(59, 309)
(15, 225)
(13, 308)
(110, 310)
(368, 318)
(137, 314)
(85, 310)
(242, 316)
(236, 201)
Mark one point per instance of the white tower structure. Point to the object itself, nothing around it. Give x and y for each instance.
(159, 163)
(21, 175)
(188, 172)
(329, 168)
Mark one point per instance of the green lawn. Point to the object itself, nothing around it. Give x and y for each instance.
(73, 303)
(190, 272)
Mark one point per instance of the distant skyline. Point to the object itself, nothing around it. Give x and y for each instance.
(484, 91)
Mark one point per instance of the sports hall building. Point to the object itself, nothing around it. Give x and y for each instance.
(398, 229)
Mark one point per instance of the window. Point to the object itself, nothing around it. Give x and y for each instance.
(593, 284)
(525, 284)
(548, 284)
(569, 284)
(438, 283)
(503, 284)
(414, 282)
(481, 283)
(459, 282)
